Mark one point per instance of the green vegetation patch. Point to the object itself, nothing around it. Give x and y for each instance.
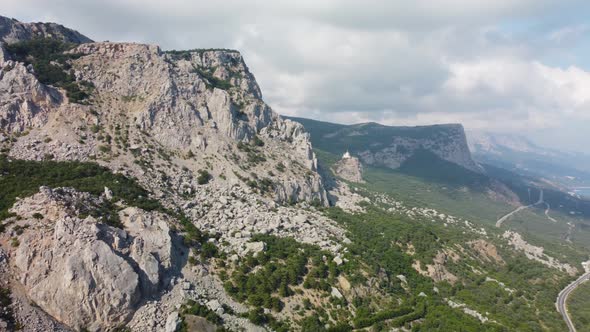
(52, 65)
(196, 309)
(187, 54)
(284, 263)
(264, 280)
(212, 81)
(579, 307)
(22, 178)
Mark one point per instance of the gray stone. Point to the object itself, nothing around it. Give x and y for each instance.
(336, 293)
(108, 194)
(254, 247)
(172, 322)
(214, 305)
(349, 168)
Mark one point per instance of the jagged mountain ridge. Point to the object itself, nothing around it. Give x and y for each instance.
(388, 146)
(11, 30)
(191, 127)
(170, 98)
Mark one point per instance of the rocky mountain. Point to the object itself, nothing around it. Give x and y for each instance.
(146, 105)
(12, 31)
(349, 168)
(150, 190)
(190, 126)
(387, 146)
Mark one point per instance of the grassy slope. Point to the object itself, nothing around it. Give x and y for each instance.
(531, 309)
(463, 199)
(538, 283)
(579, 307)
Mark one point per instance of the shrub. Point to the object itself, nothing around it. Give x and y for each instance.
(14, 242)
(104, 148)
(95, 129)
(196, 309)
(257, 316)
(204, 177)
(51, 65)
(208, 250)
(212, 80)
(257, 141)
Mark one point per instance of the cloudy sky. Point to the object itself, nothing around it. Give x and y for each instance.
(516, 66)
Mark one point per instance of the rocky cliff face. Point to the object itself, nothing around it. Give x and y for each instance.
(12, 31)
(209, 211)
(84, 273)
(387, 146)
(448, 142)
(189, 126)
(349, 168)
(147, 105)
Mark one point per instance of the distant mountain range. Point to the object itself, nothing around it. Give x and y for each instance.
(389, 146)
(505, 167)
(516, 153)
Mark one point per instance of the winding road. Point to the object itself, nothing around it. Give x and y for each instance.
(520, 208)
(561, 303)
(547, 213)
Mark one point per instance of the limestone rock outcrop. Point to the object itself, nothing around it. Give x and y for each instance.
(82, 272)
(349, 168)
(448, 142)
(12, 30)
(202, 103)
(192, 129)
(25, 102)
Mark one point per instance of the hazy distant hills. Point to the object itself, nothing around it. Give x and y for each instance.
(519, 154)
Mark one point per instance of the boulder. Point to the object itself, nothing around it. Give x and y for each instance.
(172, 322)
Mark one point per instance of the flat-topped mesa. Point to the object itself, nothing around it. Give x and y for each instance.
(391, 146)
(447, 141)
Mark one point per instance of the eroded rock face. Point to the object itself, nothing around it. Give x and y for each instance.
(349, 168)
(172, 96)
(202, 103)
(84, 273)
(448, 142)
(438, 270)
(537, 253)
(12, 31)
(25, 102)
(150, 246)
